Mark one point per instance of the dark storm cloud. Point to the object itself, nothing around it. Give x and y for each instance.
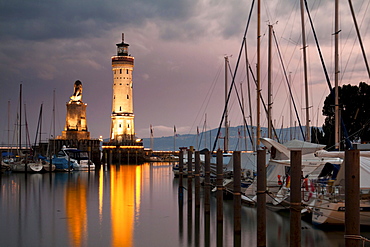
(69, 19)
(43, 20)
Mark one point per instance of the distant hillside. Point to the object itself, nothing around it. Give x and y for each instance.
(236, 140)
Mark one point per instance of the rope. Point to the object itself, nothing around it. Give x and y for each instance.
(249, 197)
(357, 237)
(261, 192)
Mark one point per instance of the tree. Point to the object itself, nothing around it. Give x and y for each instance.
(317, 135)
(354, 104)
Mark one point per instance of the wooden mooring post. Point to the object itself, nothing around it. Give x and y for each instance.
(197, 179)
(197, 197)
(190, 177)
(219, 184)
(110, 158)
(181, 193)
(219, 195)
(237, 198)
(89, 157)
(207, 197)
(190, 194)
(352, 198)
(261, 197)
(181, 176)
(207, 182)
(295, 197)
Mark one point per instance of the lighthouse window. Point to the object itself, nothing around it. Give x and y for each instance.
(128, 96)
(128, 125)
(120, 71)
(126, 71)
(119, 125)
(119, 108)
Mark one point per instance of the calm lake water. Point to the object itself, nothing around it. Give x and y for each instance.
(128, 205)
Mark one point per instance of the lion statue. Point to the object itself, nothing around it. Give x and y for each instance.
(77, 94)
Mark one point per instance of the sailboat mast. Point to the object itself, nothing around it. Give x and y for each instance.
(336, 59)
(28, 143)
(205, 131)
(304, 46)
(8, 128)
(258, 74)
(54, 121)
(290, 109)
(226, 139)
(40, 127)
(174, 138)
(198, 146)
(249, 96)
(20, 119)
(151, 138)
(244, 126)
(269, 88)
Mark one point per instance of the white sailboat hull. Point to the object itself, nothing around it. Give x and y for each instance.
(333, 213)
(83, 165)
(21, 167)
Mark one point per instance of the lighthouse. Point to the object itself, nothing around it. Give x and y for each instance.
(122, 119)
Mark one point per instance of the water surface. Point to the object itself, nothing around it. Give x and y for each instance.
(127, 205)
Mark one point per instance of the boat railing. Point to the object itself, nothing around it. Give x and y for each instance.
(329, 191)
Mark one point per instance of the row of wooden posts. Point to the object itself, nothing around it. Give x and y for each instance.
(352, 193)
(108, 157)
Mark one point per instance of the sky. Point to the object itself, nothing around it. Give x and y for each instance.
(179, 49)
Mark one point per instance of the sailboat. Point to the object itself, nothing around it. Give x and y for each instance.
(22, 164)
(279, 172)
(46, 166)
(329, 206)
(6, 156)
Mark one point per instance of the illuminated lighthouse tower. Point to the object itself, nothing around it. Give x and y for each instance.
(122, 125)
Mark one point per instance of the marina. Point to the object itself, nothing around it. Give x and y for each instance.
(130, 205)
(247, 177)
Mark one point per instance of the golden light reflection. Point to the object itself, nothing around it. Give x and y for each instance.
(138, 189)
(125, 202)
(76, 211)
(101, 187)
